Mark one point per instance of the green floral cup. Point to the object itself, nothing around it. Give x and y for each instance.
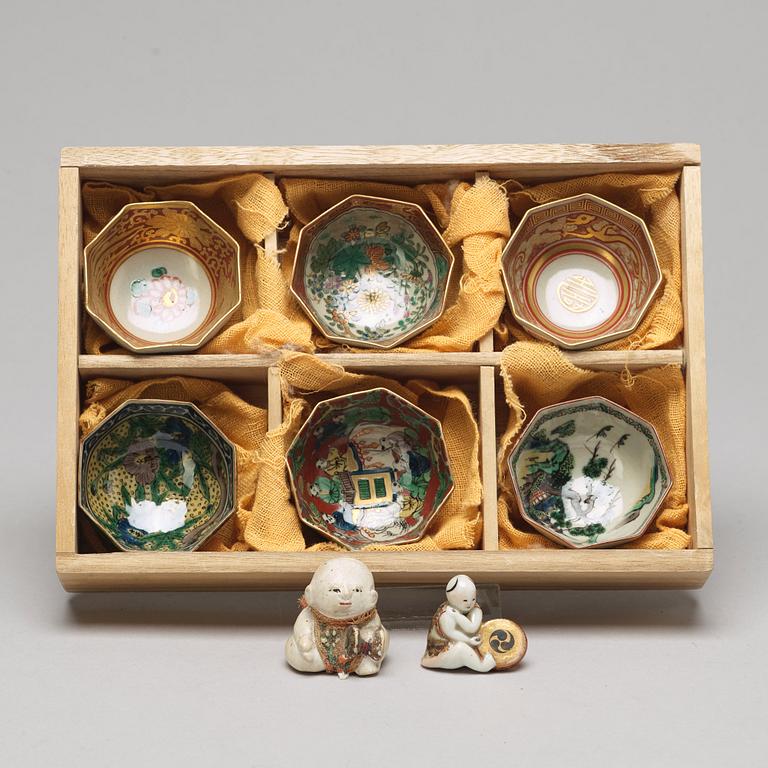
(157, 475)
(372, 272)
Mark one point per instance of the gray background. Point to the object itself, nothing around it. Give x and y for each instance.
(612, 678)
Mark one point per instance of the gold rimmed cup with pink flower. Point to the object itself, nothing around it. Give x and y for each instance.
(162, 277)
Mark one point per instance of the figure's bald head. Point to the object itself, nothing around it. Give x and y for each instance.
(344, 568)
(342, 587)
(461, 593)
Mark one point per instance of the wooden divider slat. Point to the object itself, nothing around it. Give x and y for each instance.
(487, 423)
(274, 399)
(456, 365)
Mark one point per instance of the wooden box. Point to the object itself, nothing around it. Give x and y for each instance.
(546, 568)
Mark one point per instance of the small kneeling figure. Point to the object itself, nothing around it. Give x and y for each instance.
(338, 630)
(459, 638)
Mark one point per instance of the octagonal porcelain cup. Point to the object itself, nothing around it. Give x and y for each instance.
(369, 468)
(162, 277)
(372, 272)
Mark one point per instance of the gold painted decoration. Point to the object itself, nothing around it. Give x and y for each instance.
(578, 293)
(504, 640)
(162, 277)
(580, 272)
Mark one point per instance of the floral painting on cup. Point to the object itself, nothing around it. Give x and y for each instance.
(369, 468)
(163, 302)
(157, 475)
(372, 272)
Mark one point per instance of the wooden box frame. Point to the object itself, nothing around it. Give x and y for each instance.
(560, 568)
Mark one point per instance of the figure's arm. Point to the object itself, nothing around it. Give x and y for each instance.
(372, 624)
(374, 628)
(456, 627)
(471, 622)
(303, 631)
(475, 617)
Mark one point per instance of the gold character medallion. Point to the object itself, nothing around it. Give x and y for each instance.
(577, 293)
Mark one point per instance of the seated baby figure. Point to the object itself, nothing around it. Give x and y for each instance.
(338, 630)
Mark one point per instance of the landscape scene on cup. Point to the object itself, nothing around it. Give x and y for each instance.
(587, 471)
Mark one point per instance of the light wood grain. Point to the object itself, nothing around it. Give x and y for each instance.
(696, 445)
(247, 368)
(485, 344)
(459, 366)
(487, 419)
(407, 163)
(633, 359)
(68, 405)
(487, 423)
(274, 392)
(274, 399)
(541, 569)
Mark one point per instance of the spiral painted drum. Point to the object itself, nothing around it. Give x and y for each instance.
(505, 641)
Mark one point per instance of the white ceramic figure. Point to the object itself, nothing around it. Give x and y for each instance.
(454, 640)
(458, 637)
(338, 630)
